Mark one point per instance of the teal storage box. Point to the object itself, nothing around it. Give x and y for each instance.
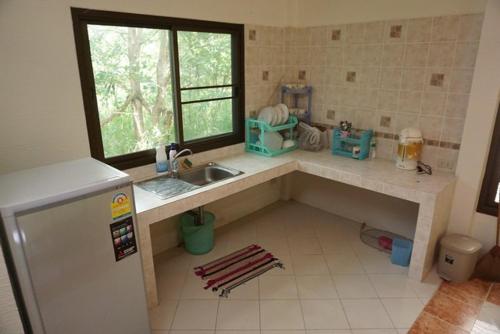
(401, 252)
(344, 145)
(198, 239)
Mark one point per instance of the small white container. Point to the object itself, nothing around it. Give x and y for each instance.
(161, 160)
(458, 257)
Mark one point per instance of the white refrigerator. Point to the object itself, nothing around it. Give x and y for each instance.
(69, 238)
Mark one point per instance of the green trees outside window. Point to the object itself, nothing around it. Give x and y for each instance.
(149, 81)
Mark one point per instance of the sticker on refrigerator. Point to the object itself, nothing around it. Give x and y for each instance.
(123, 236)
(120, 206)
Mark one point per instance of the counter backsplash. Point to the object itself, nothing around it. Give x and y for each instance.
(385, 75)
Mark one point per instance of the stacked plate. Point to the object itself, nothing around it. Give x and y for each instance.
(274, 115)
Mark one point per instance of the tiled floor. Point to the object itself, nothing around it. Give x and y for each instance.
(471, 307)
(332, 283)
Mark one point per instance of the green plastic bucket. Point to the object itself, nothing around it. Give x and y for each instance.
(198, 239)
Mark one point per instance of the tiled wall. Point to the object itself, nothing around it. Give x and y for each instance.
(264, 66)
(384, 75)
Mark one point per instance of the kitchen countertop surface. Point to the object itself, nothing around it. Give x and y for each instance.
(377, 175)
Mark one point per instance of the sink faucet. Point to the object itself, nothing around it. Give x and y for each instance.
(174, 167)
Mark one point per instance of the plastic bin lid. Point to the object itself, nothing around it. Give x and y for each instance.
(461, 243)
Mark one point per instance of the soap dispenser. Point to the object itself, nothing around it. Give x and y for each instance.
(161, 160)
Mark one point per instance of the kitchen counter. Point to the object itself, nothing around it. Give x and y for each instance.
(378, 175)
(433, 193)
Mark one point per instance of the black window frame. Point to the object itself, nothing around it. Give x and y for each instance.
(82, 17)
(486, 203)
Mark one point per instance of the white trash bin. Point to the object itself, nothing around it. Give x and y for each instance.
(458, 257)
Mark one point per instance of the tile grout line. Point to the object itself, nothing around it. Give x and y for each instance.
(178, 301)
(258, 303)
(295, 280)
(379, 298)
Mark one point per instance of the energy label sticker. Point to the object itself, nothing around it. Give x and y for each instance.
(120, 206)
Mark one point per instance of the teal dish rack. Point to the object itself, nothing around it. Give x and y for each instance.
(255, 127)
(343, 145)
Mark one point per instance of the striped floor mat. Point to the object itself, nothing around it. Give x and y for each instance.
(235, 269)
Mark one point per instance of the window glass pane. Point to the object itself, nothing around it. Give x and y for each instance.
(206, 93)
(207, 119)
(133, 86)
(204, 58)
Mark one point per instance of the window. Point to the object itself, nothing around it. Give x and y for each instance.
(151, 80)
(490, 190)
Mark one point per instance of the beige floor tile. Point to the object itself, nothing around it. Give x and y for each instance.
(344, 263)
(236, 331)
(280, 314)
(247, 291)
(288, 269)
(299, 228)
(161, 316)
(235, 244)
(238, 314)
(354, 286)
(190, 332)
(269, 228)
(306, 245)
(309, 265)
(170, 285)
(196, 314)
(219, 250)
(376, 262)
(277, 287)
(316, 287)
(374, 331)
(360, 248)
(276, 245)
(284, 332)
(392, 286)
(329, 331)
(174, 259)
(324, 314)
(428, 286)
(366, 314)
(403, 311)
(334, 245)
(488, 320)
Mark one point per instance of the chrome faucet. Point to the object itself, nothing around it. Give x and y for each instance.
(174, 167)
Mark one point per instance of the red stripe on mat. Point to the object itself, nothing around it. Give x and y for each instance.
(202, 270)
(213, 281)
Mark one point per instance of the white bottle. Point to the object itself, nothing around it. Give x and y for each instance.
(161, 160)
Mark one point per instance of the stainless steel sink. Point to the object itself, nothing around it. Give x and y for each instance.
(189, 180)
(208, 174)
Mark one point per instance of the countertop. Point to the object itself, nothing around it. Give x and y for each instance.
(377, 175)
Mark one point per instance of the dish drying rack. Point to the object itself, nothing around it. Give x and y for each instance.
(296, 93)
(255, 143)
